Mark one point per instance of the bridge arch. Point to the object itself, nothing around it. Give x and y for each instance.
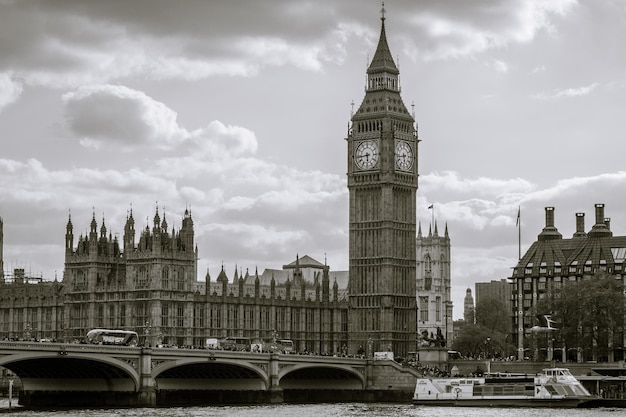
(321, 376)
(210, 374)
(73, 371)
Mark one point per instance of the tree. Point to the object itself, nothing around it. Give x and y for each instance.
(488, 337)
(493, 314)
(590, 315)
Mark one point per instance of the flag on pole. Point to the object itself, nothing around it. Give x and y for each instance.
(431, 206)
(518, 214)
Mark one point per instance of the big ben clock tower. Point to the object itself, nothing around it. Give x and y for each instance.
(382, 181)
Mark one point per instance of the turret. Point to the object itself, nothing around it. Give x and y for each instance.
(186, 232)
(288, 289)
(129, 233)
(297, 273)
(69, 237)
(93, 232)
(207, 279)
(325, 285)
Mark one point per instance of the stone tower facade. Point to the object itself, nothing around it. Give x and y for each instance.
(108, 287)
(434, 301)
(469, 312)
(382, 183)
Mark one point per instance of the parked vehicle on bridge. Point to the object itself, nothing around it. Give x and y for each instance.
(286, 345)
(212, 343)
(112, 337)
(275, 345)
(236, 343)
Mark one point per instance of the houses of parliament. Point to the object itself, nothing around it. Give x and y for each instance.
(148, 281)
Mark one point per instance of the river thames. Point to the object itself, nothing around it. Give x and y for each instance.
(312, 410)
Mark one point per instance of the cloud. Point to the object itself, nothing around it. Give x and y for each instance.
(455, 29)
(102, 114)
(499, 66)
(117, 117)
(69, 44)
(10, 90)
(567, 93)
(450, 181)
(539, 69)
(489, 221)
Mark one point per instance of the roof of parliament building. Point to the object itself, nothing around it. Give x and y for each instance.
(585, 253)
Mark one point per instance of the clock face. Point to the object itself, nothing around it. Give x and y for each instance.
(404, 156)
(366, 154)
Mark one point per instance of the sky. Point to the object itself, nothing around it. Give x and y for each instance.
(239, 111)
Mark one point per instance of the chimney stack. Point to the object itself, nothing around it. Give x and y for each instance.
(549, 232)
(580, 225)
(600, 229)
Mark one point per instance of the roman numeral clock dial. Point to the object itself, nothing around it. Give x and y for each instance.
(366, 154)
(404, 156)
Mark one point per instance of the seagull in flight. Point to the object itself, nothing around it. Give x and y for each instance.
(545, 323)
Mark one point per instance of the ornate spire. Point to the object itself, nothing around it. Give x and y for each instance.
(383, 60)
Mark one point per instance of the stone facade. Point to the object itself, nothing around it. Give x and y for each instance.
(434, 304)
(382, 182)
(150, 287)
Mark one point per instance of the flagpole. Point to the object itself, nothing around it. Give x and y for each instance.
(519, 234)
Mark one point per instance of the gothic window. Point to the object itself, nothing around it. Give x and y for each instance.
(442, 269)
(180, 279)
(216, 322)
(248, 318)
(165, 315)
(199, 313)
(423, 309)
(48, 319)
(438, 309)
(111, 316)
(141, 314)
(81, 281)
(427, 265)
(123, 315)
(165, 278)
(100, 316)
(265, 318)
(142, 277)
(180, 315)
(428, 278)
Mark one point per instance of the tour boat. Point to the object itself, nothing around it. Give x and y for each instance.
(554, 387)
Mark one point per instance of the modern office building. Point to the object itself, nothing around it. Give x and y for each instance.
(551, 263)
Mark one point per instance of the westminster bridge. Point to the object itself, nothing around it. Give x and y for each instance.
(55, 374)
